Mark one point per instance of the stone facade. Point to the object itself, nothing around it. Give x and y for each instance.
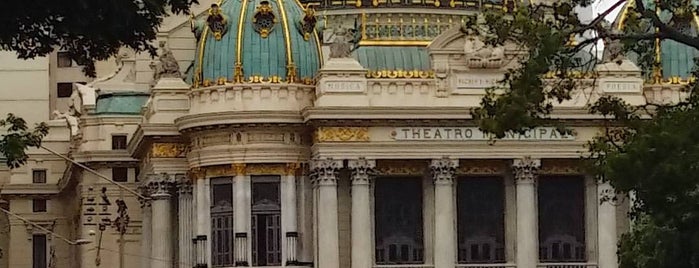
(327, 146)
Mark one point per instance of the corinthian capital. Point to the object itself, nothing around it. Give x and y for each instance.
(160, 185)
(526, 169)
(324, 171)
(443, 170)
(362, 170)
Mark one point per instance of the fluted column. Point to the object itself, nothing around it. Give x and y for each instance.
(324, 173)
(146, 225)
(362, 175)
(525, 172)
(201, 203)
(186, 226)
(161, 186)
(241, 203)
(444, 219)
(289, 216)
(606, 222)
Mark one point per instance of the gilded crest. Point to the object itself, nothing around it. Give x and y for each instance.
(264, 19)
(217, 22)
(308, 23)
(324, 134)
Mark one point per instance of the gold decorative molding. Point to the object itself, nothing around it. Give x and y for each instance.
(562, 167)
(239, 168)
(401, 167)
(292, 169)
(400, 74)
(265, 169)
(197, 173)
(341, 134)
(220, 171)
(481, 167)
(168, 150)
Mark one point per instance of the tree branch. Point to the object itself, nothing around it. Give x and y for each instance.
(667, 31)
(600, 18)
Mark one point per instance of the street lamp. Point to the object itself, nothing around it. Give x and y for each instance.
(27, 221)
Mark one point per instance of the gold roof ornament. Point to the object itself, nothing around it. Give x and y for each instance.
(217, 21)
(264, 19)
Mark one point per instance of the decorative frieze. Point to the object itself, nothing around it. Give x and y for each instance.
(362, 170)
(481, 167)
(401, 167)
(265, 169)
(168, 150)
(238, 168)
(443, 170)
(526, 169)
(292, 169)
(342, 134)
(562, 167)
(324, 171)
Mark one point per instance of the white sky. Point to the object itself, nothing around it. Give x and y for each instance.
(602, 5)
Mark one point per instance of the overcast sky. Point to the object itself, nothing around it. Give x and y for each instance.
(602, 5)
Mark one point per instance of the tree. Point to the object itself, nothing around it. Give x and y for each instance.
(88, 30)
(18, 138)
(649, 152)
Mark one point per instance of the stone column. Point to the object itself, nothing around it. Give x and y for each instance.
(606, 224)
(444, 227)
(527, 247)
(146, 225)
(161, 241)
(186, 225)
(324, 172)
(201, 204)
(289, 215)
(241, 208)
(362, 175)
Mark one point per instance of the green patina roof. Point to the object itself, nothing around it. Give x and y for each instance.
(263, 57)
(129, 103)
(676, 59)
(378, 58)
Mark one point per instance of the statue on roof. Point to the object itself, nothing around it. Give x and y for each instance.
(345, 41)
(613, 49)
(478, 54)
(166, 66)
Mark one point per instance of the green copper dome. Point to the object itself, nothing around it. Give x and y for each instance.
(674, 61)
(256, 41)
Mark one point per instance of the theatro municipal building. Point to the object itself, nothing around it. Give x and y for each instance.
(330, 134)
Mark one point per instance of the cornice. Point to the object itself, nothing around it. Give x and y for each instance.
(210, 120)
(30, 189)
(91, 120)
(146, 132)
(103, 156)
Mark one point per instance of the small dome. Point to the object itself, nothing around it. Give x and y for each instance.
(256, 41)
(676, 60)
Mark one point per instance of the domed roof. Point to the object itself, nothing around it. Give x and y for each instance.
(256, 41)
(675, 60)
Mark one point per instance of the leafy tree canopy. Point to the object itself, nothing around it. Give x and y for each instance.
(17, 138)
(649, 152)
(88, 30)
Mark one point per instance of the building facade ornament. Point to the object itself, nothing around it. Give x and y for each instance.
(72, 121)
(402, 167)
(166, 66)
(161, 185)
(443, 170)
(480, 55)
(168, 150)
(363, 170)
(345, 41)
(184, 187)
(526, 169)
(342, 134)
(238, 168)
(265, 169)
(324, 171)
(292, 169)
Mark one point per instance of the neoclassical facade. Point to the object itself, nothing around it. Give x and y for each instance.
(337, 134)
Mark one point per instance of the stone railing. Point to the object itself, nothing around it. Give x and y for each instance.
(404, 266)
(566, 265)
(487, 265)
(255, 97)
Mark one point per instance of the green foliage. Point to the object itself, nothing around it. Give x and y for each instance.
(16, 138)
(88, 30)
(649, 152)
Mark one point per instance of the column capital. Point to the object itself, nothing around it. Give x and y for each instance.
(443, 170)
(184, 187)
(161, 185)
(324, 171)
(526, 169)
(362, 170)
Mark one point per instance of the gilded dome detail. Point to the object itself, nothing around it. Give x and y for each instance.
(264, 19)
(256, 44)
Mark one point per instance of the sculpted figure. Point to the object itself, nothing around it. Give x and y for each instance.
(166, 66)
(480, 55)
(71, 120)
(344, 43)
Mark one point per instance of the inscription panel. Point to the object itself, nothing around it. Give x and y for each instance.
(473, 134)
